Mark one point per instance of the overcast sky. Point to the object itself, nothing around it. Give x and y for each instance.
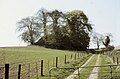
(104, 14)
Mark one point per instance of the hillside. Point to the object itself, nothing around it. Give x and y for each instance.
(36, 62)
(28, 54)
(31, 58)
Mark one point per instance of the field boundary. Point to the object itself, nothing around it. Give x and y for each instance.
(78, 67)
(95, 69)
(77, 71)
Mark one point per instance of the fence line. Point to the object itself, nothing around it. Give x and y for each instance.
(77, 68)
(28, 70)
(39, 68)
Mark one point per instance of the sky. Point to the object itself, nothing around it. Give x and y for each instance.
(104, 14)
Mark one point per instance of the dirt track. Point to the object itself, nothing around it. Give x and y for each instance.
(72, 76)
(94, 73)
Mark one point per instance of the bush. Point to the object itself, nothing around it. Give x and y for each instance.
(110, 47)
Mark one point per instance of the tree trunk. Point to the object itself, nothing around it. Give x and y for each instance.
(98, 45)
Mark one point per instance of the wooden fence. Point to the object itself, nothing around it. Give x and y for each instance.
(110, 74)
(34, 69)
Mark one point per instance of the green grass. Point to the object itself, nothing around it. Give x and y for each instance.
(31, 55)
(85, 72)
(104, 71)
(116, 54)
(72, 63)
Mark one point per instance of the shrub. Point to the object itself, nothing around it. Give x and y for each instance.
(110, 47)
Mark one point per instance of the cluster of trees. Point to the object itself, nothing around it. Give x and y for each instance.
(55, 29)
(99, 39)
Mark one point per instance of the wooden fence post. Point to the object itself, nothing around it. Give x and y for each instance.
(117, 61)
(113, 59)
(19, 71)
(6, 71)
(42, 68)
(71, 56)
(65, 59)
(111, 77)
(75, 56)
(78, 55)
(56, 61)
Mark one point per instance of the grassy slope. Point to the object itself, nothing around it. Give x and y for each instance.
(28, 54)
(31, 54)
(116, 54)
(85, 72)
(104, 71)
(78, 62)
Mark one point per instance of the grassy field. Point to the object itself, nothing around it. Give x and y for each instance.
(104, 71)
(66, 72)
(116, 54)
(31, 56)
(85, 72)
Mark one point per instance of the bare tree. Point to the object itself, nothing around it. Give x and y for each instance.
(97, 39)
(29, 28)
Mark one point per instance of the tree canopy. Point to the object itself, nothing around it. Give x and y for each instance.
(56, 29)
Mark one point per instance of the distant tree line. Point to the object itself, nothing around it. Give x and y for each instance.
(100, 39)
(56, 29)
